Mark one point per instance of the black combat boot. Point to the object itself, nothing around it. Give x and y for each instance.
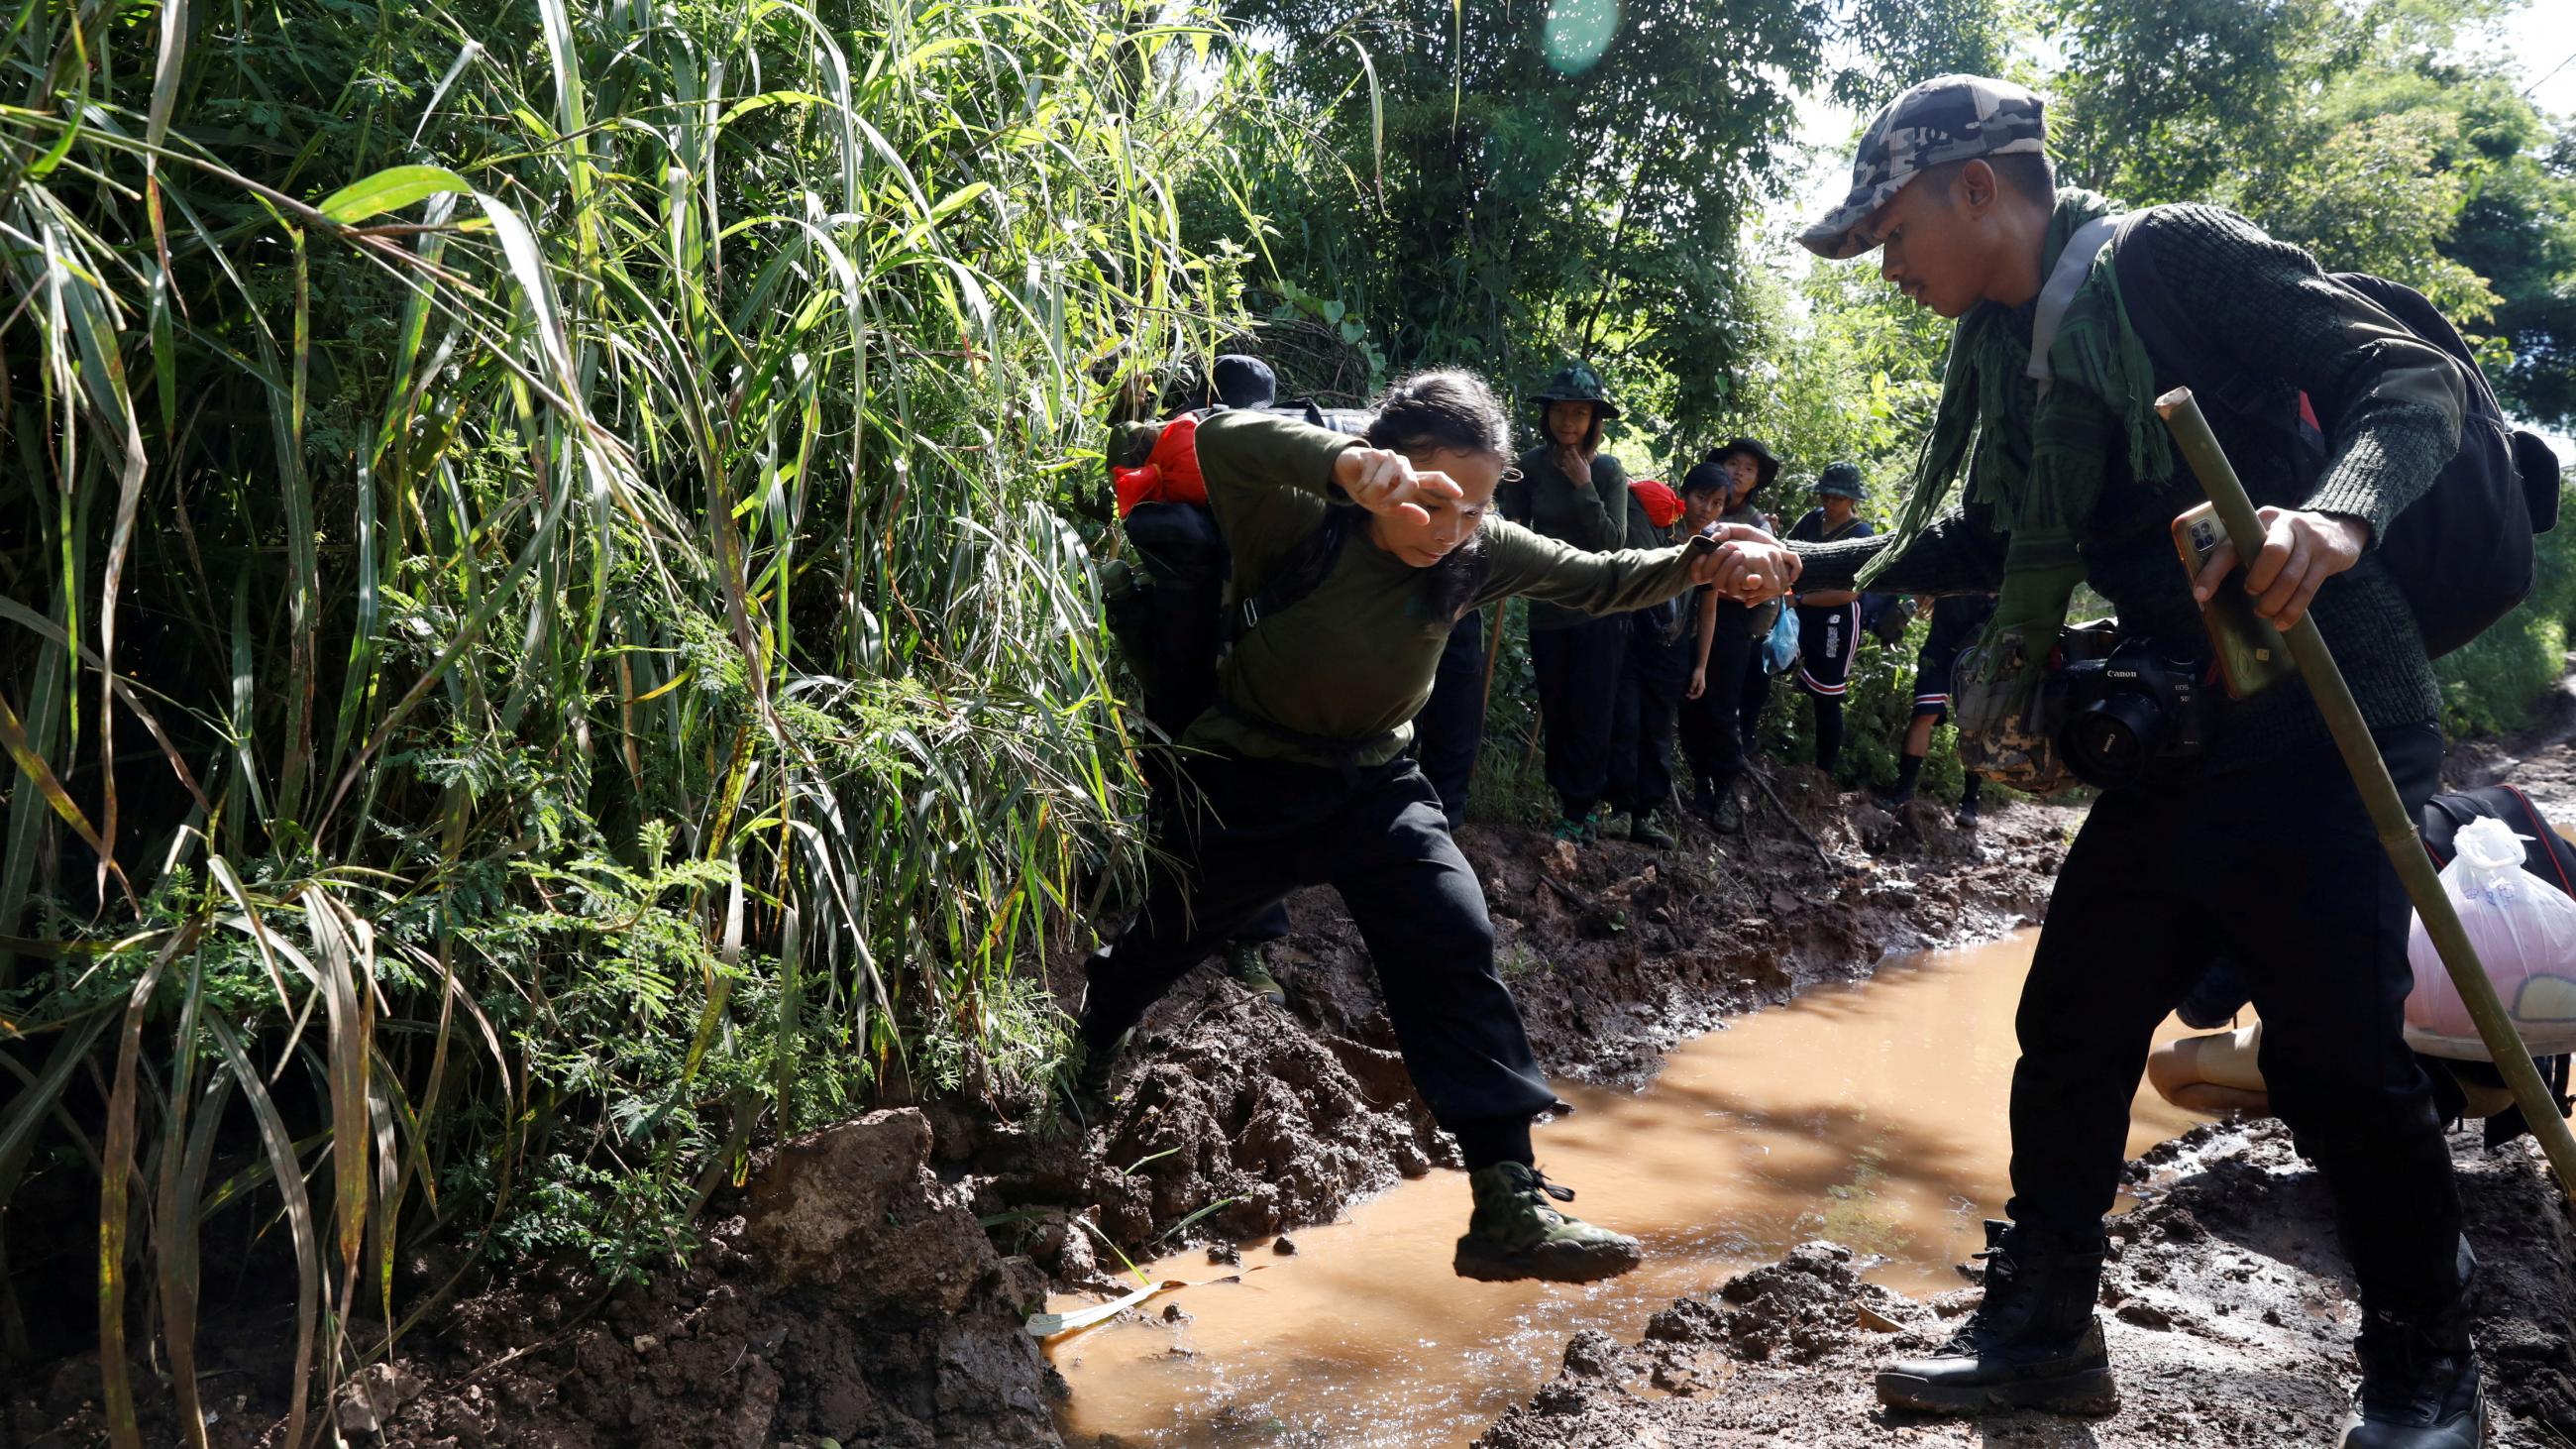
(2033, 1343)
(1909, 770)
(2419, 1377)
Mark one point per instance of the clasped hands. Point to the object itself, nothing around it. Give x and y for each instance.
(1747, 565)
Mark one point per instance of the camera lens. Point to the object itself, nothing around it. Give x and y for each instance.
(2108, 741)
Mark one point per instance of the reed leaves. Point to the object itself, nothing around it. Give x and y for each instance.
(572, 498)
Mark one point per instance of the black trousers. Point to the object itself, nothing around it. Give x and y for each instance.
(1648, 716)
(2278, 869)
(1261, 830)
(1451, 728)
(1168, 786)
(1578, 672)
(1718, 727)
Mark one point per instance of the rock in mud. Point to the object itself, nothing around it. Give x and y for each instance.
(880, 1314)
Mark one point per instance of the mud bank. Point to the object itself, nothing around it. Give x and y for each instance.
(867, 1283)
(2228, 1310)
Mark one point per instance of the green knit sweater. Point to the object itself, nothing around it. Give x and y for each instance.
(2392, 425)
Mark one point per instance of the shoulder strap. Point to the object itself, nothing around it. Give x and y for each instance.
(1299, 574)
(2057, 294)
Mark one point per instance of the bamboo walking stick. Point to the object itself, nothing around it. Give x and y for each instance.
(2379, 795)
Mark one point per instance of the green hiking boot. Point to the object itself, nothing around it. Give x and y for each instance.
(1643, 830)
(1517, 1232)
(1245, 965)
(1086, 1096)
(1570, 829)
(1728, 818)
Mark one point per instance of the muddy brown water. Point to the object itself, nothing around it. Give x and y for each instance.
(1871, 1114)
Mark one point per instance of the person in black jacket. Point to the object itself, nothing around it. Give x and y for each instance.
(2256, 845)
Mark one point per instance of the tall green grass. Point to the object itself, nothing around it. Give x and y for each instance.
(538, 640)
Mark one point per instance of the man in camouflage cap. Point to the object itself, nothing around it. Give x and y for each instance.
(2256, 844)
(1947, 118)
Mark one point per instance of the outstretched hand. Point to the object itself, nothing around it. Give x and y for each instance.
(1748, 565)
(1385, 482)
(2300, 552)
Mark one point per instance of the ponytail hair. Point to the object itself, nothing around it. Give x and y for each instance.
(1447, 410)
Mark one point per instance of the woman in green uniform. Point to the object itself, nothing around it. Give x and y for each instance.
(1569, 490)
(1303, 780)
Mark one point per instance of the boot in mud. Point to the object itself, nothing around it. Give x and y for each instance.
(1643, 830)
(1728, 818)
(1517, 1232)
(1243, 963)
(1086, 1096)
(2033, 1343)
(2420, 1387)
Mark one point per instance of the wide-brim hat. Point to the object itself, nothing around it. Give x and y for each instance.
(1947, 118)
(1578, 383)
(1840, 480)
(1767, 467)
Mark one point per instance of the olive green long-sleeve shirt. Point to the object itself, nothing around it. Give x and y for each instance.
(1342, 672)
(1545, 501)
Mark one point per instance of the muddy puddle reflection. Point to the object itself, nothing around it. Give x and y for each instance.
(1873, 1115)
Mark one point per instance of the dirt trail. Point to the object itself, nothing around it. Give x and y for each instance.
(2229, 1310)
(2229, 1317)
(846, 1294)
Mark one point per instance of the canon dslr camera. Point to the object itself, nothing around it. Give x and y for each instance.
(2117, 707)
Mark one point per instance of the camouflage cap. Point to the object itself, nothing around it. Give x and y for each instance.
(1839, 480)
(1578, 383)
(1947, 118)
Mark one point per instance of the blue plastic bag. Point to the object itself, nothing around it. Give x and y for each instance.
(1780, 646)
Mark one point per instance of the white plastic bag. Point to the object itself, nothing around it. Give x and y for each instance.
(2525, 931)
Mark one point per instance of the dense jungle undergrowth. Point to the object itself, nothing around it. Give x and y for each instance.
(547, 634)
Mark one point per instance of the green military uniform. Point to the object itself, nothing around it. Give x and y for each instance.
(1304, 782)
(1578, 659)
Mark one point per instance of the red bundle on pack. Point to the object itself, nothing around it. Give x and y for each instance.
(1170, 474)
(1663, 506)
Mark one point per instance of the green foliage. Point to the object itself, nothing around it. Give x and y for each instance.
(1512, 184)
(2362, 132)
(2495, 683)
(566, 497)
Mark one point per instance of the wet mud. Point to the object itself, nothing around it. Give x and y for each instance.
(1868, 1113)
(2227, 1307)
(906, 1330)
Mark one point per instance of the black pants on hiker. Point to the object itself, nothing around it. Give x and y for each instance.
(1717, 728)
(1451, 727)
(1578, 672)
(1167, 786)
(1649, 714)
(1377, 836)
(2277, 868)
(1828, 642)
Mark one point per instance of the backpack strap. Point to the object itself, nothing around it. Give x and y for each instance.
(2073, 265)
(1302, 572)
(2176, 343)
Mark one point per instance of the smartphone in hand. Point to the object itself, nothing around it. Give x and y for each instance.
(2251, 653)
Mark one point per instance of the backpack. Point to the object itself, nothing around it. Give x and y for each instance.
(1172, 608)
(2462, 554)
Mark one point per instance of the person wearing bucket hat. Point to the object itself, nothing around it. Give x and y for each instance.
(1829, 619)
(1723, 703)
(2257, 845)
(1567, 489)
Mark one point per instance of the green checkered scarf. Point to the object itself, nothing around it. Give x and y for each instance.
(2039, 463)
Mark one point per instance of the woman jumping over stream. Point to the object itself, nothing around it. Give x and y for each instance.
(1382, 542)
